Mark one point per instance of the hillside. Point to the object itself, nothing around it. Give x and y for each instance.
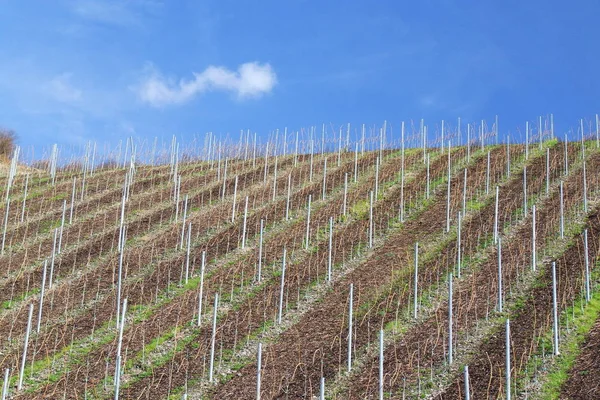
(352, 273)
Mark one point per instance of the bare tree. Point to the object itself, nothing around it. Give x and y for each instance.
(7, 143)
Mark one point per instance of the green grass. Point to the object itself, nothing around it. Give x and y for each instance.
(152, 346)
(103, 335)
(34, 194)
(581, 318)
(47, 226)
(7, 304)
(60, 196)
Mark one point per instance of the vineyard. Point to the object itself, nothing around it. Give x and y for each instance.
(460, 270)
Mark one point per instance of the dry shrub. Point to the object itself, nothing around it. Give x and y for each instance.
(41, 164)
(73, 166)
(109, 163)
(7, 143)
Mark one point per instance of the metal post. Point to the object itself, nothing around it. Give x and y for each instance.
(500, 275)
(381, 364)
(416, 281)
(260, 250)
(244, 224)
(329, 259)
(282, 287)
(42, 291)
(213, 339)
(507, 361)
(554, 310)
(25, 344)
(533, 238)
(200, 295)
(308, 222)
(588, 295)
(350, 321)
(467, 390)
(450, 350)
(496, 216)
(371, 221)
(258, 370)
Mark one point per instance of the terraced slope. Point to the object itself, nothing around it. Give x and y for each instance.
(267, 251)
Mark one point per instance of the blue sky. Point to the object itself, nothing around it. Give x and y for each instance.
(73, 71)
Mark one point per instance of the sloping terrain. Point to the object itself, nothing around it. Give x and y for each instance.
(335, 265)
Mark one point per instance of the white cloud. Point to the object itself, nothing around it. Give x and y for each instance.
(61, 89)
(250, 80)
